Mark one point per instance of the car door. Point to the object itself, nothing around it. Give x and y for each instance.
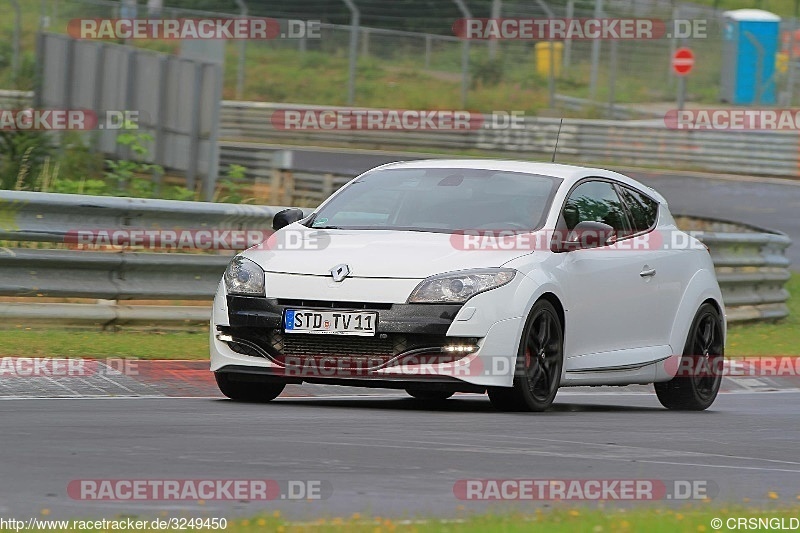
(664, 265)
(603, 286)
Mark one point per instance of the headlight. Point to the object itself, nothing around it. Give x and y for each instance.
(458, 287)
(244, 277)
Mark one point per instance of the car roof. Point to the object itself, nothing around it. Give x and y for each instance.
(569, 173)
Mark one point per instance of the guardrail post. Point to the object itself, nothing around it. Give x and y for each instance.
(364, 42)
(281, 165)
(288, 187)
(275, 185)
(327, 186)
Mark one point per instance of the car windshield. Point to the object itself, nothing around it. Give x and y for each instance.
(440, 200)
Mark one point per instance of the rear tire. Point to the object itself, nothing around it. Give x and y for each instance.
(540, 359)
(702, 359)
(241, 390)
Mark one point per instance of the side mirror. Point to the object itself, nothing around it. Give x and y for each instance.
(585, 235)
(286, 217)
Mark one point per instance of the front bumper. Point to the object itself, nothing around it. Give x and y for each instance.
(409, 348)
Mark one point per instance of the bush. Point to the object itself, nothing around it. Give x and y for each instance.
(22, 155)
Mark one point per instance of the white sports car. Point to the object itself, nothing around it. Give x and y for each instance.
(512, 278)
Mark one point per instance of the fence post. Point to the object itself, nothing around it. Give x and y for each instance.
(497, 6)
(355, 20)
(15, 43)
(568, 42)
(790, 66)
(673, 46)
(465, 12)
(194, 128)
(612, 79)
(428, 38)
(212, 172)
(598, 13)
(242, 49)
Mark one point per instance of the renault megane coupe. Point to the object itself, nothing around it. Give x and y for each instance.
(500, 277)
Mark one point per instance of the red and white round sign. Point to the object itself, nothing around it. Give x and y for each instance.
(683, 61)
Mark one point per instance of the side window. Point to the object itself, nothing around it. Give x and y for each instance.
(595, 201)
(643, 209)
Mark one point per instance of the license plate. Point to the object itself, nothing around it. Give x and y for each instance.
(330, 322)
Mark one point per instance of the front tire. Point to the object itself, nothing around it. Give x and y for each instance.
(702, 359)
(540, 360)
(238, 388)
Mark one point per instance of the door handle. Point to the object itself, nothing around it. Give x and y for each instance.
(648, 272)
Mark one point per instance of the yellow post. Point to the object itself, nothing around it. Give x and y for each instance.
(545, 52)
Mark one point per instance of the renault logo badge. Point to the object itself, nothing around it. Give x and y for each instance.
(339, 272)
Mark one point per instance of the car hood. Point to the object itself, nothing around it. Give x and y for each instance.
(371, 253)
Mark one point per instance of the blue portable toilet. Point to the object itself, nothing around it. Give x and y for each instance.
(750, 42)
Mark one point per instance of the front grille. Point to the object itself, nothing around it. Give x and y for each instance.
(346, 351)
(333, 345)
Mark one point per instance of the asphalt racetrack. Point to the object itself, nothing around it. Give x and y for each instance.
(389, 455)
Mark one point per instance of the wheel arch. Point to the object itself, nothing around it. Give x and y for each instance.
(552, 298)
(702, 288)
(556, 302)
(716, 305)
(720, 307)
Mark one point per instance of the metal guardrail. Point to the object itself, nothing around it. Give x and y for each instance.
(49, 217)
(116, 275)
(274, 175)
(13, 99)
(104, 313)
(751, 264)
(618, 111)
(646, 142)
(109, 275)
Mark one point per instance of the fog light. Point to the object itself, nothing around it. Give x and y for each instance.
(224, 338)
(459, 348)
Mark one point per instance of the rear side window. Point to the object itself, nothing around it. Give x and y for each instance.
(642, 208)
